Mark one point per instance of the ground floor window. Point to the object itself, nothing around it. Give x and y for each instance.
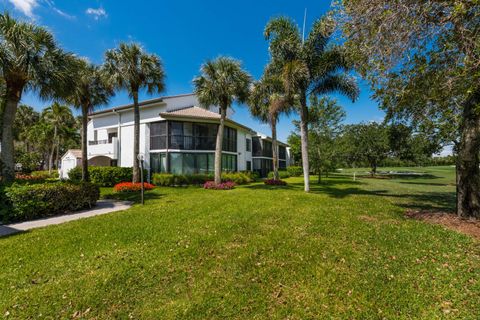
(249, 165)
(229, 162)
(189, 162)
(282, 164)
(158, 162)
(262, 166)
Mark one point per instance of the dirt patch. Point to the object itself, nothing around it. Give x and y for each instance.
(451, 221)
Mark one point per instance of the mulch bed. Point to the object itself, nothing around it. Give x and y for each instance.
(451, 221)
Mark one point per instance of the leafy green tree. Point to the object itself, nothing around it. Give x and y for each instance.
(325, 126)
(295, 143)
(91, 90)
(29, 60)
(267, 102)
(423, 61)
(221, 82)
(132, 69)
(310, 66)
(366, 142)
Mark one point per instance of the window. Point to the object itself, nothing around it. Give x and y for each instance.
(229, 162)
(190, 163)
(249, 145)
(249, 165)
(282, 152)
(111, 135)
(176, 135)
(267, 149)
(282, 164)
(257, 147)
(229, 139)
(205, 136)
(158, 162)
(158, 135)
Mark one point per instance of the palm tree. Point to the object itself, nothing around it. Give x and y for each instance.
(91, 90)
(29, 60)
(308, 66)
(222, 81)
(131, 68)
(60, 118)
(267, 101)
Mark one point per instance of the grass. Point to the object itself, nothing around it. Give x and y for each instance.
(257, 252)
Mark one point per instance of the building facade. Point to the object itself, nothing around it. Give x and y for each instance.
(176, 136)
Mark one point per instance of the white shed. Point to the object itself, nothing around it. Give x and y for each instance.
(71, 159)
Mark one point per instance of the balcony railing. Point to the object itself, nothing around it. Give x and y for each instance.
(103, 148)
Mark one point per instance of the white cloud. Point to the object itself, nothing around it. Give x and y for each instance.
(96, 13)
(26, 6)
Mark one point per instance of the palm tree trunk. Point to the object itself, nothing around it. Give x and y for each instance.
(273, 125)
(468, 172)
(136, 138)
(85, 175)
(304, 140)
(52, 152)
(219, 146)
(12, 98)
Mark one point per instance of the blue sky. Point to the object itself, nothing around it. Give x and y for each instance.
(184, 34)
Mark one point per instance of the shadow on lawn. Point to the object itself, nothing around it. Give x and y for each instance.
(133, 196)
(339, 187)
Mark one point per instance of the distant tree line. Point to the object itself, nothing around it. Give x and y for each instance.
(334, 144)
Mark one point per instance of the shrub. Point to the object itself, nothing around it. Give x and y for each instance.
(295, 171)
(132, 187)
(104, 176)
(32, 201)
(282, 174)
(254, 176)
(44, 174)
(236, 177)
(162, 179)
(22, 177)
(221, 186)
(272, 182)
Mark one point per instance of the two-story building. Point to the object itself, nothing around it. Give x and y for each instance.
(176, 136)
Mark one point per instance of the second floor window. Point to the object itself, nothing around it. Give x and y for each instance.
(158, 135)
(249, 145)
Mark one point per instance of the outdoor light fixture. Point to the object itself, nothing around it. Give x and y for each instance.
(140, 157)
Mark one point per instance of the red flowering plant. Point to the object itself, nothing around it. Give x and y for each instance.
(132, 187)
(273, 182)
(228, 185)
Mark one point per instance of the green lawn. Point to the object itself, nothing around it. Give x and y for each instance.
(343, 251)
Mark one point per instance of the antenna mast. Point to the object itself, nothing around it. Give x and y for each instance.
(303, 31)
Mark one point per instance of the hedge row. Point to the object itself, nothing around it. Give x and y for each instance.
(282, 173)
(31, 201)
(167, 179)
(295, 171)
(104, 176)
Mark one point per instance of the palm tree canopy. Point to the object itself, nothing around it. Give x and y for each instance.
(222, 81)
(310, 65)
(31, 59)
(268, 98)
(130, 68)
(91, 88)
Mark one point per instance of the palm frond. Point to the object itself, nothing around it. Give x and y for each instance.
(340, 83)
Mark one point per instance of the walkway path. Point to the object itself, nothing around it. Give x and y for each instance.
(102, 207)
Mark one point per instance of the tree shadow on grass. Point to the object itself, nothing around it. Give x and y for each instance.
(135, 197)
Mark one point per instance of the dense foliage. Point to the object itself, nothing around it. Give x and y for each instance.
(167, 179)
(104, 176)
(274, 182)
(31, 201)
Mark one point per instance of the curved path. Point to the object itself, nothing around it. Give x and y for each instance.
(102, 207)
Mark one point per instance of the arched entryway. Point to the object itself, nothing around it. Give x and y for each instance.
(100, 161)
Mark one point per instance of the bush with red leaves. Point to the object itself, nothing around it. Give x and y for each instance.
(132, 187)
(272, 182)
(221, 186)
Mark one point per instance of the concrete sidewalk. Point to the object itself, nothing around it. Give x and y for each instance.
(102, 207)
